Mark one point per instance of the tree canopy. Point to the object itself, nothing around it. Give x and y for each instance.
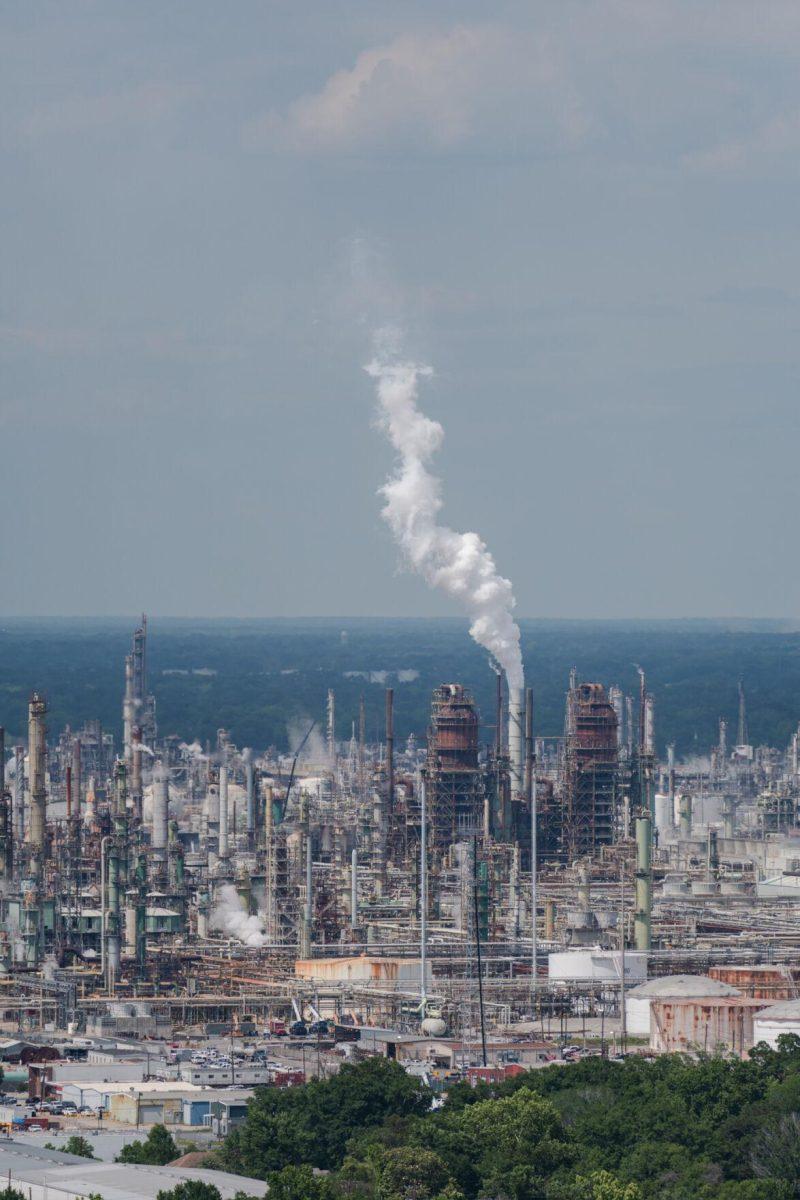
(670, 1129)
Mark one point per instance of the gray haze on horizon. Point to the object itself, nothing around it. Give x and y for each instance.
(584, 216)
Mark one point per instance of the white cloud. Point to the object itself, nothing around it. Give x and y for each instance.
(437, 90)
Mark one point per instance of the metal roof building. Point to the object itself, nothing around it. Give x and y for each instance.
(51, 1175)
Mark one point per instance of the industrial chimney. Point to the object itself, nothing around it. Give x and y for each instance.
(516, 739)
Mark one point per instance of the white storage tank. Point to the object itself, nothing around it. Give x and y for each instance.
(669, 987)
(770, 1023)
(593, 965)
(664, 822)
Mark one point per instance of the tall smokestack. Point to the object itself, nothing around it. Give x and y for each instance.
(516, 739)
(618, 704)
(331, 725)
(160, 808)
(649, 725)
(127, 708)
(223, 811)
(528, 744)
(76, 777)
(390, 748)
(19, 793)
(250, 783)
(629, 725)
(37, 752)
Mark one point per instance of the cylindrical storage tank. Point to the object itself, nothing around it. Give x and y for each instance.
(601, 966)
(160, 808)
(771, 1023)
(516, 737)
(637, 1015)
(639, 1000)
(702, 1025)
(663, 806)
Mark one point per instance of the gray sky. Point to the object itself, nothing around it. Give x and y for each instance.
(583, 213)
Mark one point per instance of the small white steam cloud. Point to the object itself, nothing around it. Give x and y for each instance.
(457, 563)
(192, 750)
(315, 749)
(229, 916)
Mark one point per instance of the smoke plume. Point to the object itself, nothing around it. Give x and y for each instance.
(228, 915)
(457, 563)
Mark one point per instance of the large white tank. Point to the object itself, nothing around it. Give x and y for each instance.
(596, 966)
(770, 1023)
(664, 823)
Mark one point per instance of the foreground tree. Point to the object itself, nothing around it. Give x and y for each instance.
(156, 1150)
(192, 1189)
(313, 1124)
(411, 1173)
(78, 1145)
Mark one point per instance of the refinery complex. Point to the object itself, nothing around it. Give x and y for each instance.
(475, 897)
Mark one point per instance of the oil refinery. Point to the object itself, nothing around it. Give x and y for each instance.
(476, 888)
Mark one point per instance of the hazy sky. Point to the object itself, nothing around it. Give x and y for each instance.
(585, 215)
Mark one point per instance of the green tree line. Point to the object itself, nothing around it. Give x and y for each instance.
(669, 1129)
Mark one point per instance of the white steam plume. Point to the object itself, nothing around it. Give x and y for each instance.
(457, 563)
(229, 916)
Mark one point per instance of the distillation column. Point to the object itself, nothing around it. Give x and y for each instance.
(516, 739)
(37, 753)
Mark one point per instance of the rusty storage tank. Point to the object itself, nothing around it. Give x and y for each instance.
(761, 982)
(703, 1025)
(639, 1000)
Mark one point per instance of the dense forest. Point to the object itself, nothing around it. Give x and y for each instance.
(664, 1129)
(258, 678)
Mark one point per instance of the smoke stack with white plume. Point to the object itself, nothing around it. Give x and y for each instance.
(229, 916)
(458, 564)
